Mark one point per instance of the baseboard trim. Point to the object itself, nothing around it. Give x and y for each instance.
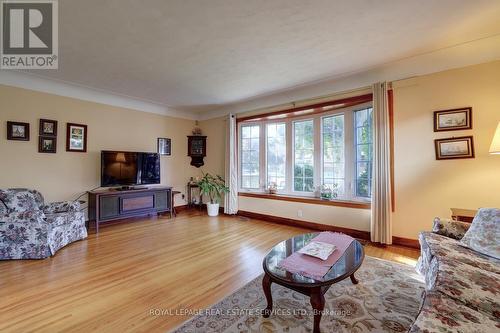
(401, 241)
(182, 208)
(304, 224)
(407, 242)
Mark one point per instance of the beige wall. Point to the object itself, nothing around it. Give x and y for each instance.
(64, 175)
(424, 187)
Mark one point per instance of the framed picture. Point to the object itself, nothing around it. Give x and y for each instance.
(76, 137)
(164, 146)
(48, 127)
(453, 120)
(453, 148)
(18, 131)
(47, 144)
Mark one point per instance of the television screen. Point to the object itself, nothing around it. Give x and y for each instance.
(129, 168)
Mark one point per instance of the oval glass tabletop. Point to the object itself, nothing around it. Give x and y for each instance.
(347, 264)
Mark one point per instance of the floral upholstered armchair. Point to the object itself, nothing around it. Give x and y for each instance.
(31, 229)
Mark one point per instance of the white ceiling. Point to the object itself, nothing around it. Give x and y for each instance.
(199, 55)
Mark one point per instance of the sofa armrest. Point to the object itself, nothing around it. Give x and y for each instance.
(61, 207)
(25, 219)
(450, 228)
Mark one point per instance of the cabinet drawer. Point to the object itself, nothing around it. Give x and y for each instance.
(130, 204)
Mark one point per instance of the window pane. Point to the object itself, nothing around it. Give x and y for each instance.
(250, 156)
(364, 151)
(333, 154)
(303, 164)
(276, 154)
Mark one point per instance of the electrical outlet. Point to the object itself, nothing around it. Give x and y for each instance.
(299, 213)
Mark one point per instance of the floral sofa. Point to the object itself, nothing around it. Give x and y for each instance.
(31, 229)
(462, 285)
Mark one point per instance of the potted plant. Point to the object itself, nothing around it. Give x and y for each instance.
(213, 187)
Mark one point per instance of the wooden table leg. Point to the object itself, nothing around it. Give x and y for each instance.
(266, 285)
(318, 304)
(353, 279)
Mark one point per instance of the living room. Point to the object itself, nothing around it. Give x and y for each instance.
(182, 166)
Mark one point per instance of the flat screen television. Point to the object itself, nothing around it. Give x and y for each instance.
(123, 168)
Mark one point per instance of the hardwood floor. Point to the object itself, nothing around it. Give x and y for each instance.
(112, 281)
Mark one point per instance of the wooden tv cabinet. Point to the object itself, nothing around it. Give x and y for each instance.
(112, 204)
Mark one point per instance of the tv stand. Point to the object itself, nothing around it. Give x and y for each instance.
(112, 204)
(130, 188)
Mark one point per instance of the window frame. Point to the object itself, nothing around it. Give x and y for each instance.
(349, 152)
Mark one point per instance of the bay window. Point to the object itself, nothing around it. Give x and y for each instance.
(333, 153)
(250, 156)
(301, 154)
(303, 161)
(276, 155)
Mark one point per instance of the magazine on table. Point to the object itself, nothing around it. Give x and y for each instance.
(317, 249)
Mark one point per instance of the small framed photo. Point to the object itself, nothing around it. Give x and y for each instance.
(18, 131)
(454, 148)
(164, 146)
(76, 138)
(47, 144)
(48, 127)
(453, 120)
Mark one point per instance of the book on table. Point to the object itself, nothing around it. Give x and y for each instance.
(319, 250)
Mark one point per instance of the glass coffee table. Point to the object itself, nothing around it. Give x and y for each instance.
(345, 267)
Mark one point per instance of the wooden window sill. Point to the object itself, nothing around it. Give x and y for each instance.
(314, 201)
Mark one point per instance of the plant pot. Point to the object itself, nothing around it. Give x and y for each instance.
(212, 209)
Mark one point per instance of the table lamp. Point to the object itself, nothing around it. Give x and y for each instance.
(495, 144)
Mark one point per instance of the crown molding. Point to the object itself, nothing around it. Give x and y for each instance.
(62, 88)
(462, 55)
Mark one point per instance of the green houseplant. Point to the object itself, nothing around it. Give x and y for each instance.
(213, 187)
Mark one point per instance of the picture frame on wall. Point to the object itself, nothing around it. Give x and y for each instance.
(76, 138)
(453, 119)
(47, 144)
(18, 131)
(48, 127)
(454, 148)
(164, 146)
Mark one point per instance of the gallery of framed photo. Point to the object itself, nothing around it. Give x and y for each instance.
(76, 137)
(47, 144)
(164, 146)
(454, 148)
(18, 131)
(48, 127)
(453, 120)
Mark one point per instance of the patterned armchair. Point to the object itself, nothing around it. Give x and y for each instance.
(31, 229)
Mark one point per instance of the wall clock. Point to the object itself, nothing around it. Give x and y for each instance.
(197, 149)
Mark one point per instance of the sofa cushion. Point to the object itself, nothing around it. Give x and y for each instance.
(477, 288)
(440, 313)
(19, 200)
(434, 245)
(483, 235)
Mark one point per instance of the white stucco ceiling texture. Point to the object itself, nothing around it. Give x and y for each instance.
(196, 55)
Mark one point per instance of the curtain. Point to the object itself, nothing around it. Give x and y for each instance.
(381, 218)
(231, 175)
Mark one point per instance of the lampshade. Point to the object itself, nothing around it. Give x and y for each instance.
(495, 144)
(120, 158)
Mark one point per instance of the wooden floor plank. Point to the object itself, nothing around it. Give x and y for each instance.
(112, 281)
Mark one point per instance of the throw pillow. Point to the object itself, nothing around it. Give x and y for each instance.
(450, 228)
(483, 235)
